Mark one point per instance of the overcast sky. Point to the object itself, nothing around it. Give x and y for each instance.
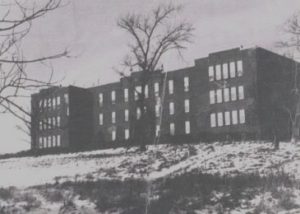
(88, 29)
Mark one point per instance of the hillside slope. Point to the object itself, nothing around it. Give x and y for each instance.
(242, 177)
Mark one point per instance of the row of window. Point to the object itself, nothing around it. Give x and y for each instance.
(50, 123)
(227, 118)
(157, 130)
(52, 103)
(226, 94)
(138, 90)
(225, 71)
(49, 142)
(138, 112)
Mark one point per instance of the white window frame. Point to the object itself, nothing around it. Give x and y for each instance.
(137, 91)
(212, 97)
(171, 86)
(172, 129)
(234, 117)
(157, 110)
(220, 119)
(186, 105)
(113, 97)
(101, 119)
(146, 92)
(213, 122)
(211, 73)
(225, 70)
(233, 93)
(138, 113)
(126, 95)
(126, 115)
(127, 134)
(100, 97)
(242, 116)
(219, 96)
(113, 117)
(187, 127)
(113, 135)
(232, 69)
(218, 72)
(58, 140)
(157, 130)
(58, 121)
(171, 108)
(226, 95)
(240, 70)
(156, 89)
(186, 84)
(227, 118)
(241, 92)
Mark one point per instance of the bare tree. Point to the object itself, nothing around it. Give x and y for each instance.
(152, 36)
(291, 44)
(17, 82)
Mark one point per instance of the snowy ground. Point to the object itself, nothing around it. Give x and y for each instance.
(157, 162)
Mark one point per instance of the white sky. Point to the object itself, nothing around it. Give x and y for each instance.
(88, 29)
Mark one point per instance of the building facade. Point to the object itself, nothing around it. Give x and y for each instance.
(232, 94)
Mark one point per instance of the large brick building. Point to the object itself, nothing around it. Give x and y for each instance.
(237, 93)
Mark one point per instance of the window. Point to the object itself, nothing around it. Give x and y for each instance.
(211, 75)
(219, 96)
(100, 99)
(227, 118)
(234, 117)
(225, 71)
(126, 95)
(40, 142)
(49, 142)
(113, 97)
(212, 97)
(58, 121)
(126, 115)
(233, 93)
(186, 106)
(241, 92)
(171, 86)
(187, 127)
(240, 68)
(49, 103)
(53, 122)
(157, 130)
(113, 135)
(171, 108)
(156, 89)
(138, 113)
(45, 124)
(57, 101)
(40, 125)
(66, 96)
(100, 119)
(220, 119)
(137, 91)
(54, 103)
(226, 95)
(242, 116)
(53, 140)
(157, 110)
(45, 103)
(45, 142)
(68, 111)
(172, 129)
(113, 117)
(49, 123)
(232, 69)
(186, 84)
(213, 120)
(126, 134)
(58, 143)
(146, 91)
(218, 72)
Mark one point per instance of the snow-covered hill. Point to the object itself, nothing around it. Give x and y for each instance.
(157, 162)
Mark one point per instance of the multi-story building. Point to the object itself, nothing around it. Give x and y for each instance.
(237, 93)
